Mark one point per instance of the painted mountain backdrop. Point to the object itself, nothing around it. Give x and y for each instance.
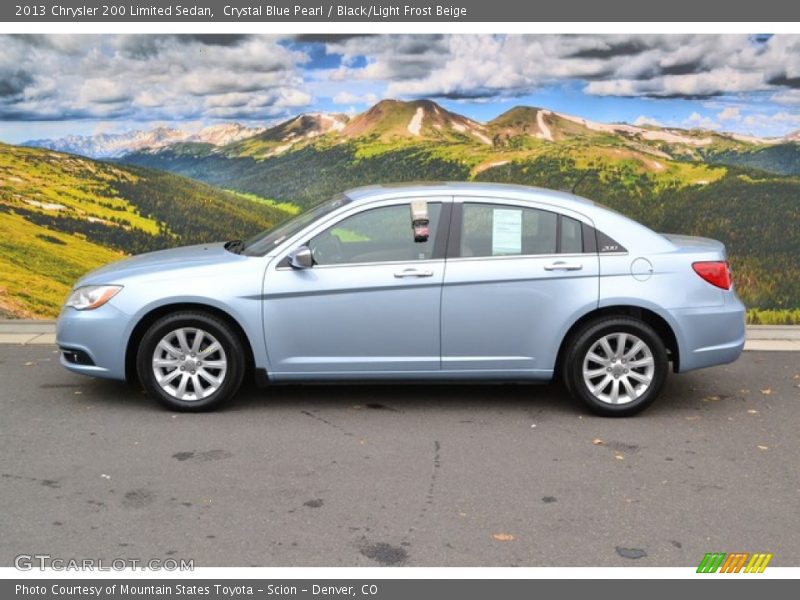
(62, 215)
(114, 145)
(742, 190)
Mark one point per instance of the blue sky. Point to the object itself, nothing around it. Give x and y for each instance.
(51, 86)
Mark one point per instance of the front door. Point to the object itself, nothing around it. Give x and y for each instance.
(369, 307)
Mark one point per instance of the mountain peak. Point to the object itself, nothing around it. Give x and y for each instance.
(398, 119)
(525, 121)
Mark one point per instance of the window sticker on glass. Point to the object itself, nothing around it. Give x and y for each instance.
(506, 231)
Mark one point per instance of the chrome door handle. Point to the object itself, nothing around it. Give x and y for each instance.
(413, 273)
(562, 265)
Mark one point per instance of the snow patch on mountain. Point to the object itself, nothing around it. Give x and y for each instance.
(544, 130)
(415, 124)
(662, 135)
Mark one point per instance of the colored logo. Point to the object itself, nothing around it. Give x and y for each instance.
(737, 562)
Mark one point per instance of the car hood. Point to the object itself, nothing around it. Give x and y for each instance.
(163, 260)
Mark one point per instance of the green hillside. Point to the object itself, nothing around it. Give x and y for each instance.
(672, 180)
(780, 159)
(63, 215)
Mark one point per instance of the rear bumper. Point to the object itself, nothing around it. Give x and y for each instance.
(710, 336)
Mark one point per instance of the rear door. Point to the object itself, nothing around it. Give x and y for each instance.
(517, 277)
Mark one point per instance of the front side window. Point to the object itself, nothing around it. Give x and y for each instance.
(375, 235)
(264, 242)
(504, 230)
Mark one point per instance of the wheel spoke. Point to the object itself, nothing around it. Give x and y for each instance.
(214, 364)
(169, 348)
(198, 389)
(602, 385)
(645, 361)
(181, 391)
(622, 339)
(629, 389)
(592, 356)
(592, 373)
(606, 347)
(614, 396)
(213, 347)
(166, 362)
(198, 339)
(637, 346)
(184, 344)
(214, 381)
(167, 379)
(646, 379)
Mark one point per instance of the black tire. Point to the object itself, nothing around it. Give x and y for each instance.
(234, 357)
(586, 339)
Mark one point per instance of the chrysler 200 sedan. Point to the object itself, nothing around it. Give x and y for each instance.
(415, 283)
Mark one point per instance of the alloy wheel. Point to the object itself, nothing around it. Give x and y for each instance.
(618, 368)
(189, 364)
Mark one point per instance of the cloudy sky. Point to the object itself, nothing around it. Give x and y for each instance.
(59, 84)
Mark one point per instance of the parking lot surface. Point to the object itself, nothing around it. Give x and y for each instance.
(426, 475)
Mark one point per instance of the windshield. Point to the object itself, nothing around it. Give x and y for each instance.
(262, 243)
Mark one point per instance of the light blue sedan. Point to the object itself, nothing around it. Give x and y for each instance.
(415, 283)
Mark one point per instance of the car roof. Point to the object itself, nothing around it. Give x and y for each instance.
(506, 190)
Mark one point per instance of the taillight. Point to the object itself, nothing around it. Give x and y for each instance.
(714, 272)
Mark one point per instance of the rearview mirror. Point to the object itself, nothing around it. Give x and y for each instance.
(301, 258)
(420, 220)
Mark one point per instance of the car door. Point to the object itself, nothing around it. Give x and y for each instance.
(517, 276)
(368, 307)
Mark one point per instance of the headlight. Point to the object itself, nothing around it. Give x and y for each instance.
(90, 297)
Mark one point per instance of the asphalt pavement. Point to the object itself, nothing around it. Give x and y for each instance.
(430, 475)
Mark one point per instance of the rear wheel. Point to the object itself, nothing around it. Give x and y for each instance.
(616, 366)
(190, 361)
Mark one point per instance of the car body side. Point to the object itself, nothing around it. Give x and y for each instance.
(706, 323)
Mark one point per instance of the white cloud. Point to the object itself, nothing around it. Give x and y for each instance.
(474, 66)
(699, 121)
(730, 113)
(148, 77)
(775, 124)
(345, 97)
(787, 97)
(643, 120)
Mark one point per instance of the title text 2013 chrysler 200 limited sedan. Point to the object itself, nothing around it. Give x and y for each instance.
(415, 282)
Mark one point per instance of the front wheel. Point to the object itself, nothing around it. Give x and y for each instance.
(616, 366)
(190, 361)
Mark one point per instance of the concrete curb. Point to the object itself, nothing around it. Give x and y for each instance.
(769, 338)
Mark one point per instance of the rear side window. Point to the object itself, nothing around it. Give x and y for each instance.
(504, 230)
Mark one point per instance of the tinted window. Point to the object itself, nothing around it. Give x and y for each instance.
(571, 236)
(500, 230)
(375, 235)
(265, 241)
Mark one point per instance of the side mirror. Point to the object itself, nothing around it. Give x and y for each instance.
(301, 258)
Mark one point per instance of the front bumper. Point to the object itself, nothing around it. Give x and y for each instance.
(710, 336)
(93, 342)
